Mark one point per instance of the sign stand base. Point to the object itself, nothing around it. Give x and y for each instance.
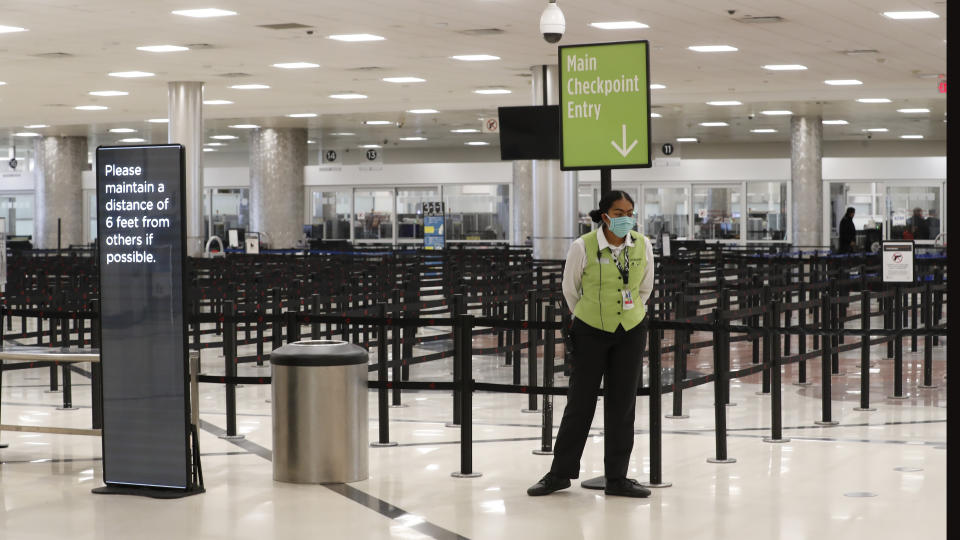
(143, 491)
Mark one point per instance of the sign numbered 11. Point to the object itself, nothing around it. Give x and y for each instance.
(605, 106)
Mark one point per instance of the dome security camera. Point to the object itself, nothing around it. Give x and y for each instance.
(552, 23)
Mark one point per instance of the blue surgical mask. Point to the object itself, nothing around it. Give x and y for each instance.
(620, 226)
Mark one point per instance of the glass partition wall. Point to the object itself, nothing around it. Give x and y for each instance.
(896, 210)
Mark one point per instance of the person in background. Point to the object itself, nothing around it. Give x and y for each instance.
(918, 226)
(848, 232)
(933, 224)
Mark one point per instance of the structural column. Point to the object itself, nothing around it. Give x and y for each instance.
(806, 179)
(185, 114)
(277, 159)
(59, 191)
(554, 191)
(521, 215)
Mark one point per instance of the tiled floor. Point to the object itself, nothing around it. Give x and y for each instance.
(790, 490)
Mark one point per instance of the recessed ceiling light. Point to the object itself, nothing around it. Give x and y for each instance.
(902, 15)
(348, 95)
(475, 57)
(713, 48)
(123, 130)
(776, 113)
(911, 136)
(163, 48)
(224, 137)
(244, 126)
(399, 80)
(91, 108)
(250, 86)
(109, 93)
(217, 102)
(356, 37)
(784, 67)
(492, 91)
(843, 82)
(36, 126)
(413, 138)
(687, 139)
(2, 83)
(214, 144)
(370, 146)
(377, 122)
(730, 103)
(423, 111)
(835, 122)
(302, 115)
(656, 86)
(619, 25)
(477, 143)
(296, 65)
(873, 100)
(714, 124)
(656, 115)
(132, 139)
(159, 120)
(209, 149)
(10, 29)
(311, 141)
(130, 74)
(875, 130)
(26, 134)
(465, 130)
(763, 130)
(342, 134)
(913, 111)
(204, 13)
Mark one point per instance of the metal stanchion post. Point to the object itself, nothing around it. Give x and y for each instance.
(768, 318)
(195, 387)
(532, 351)
(466, 391)
(549, 354)
(96, 370)
(802, 340)
(913, 321)
(865, 353)
(316, 308)
(825, 367)
(383, 412)
(230, 366)
(927, 307)
(656, 390)
(719, 399)
(776, 390)
(67, 369)
(516, 314)
(898, 308)
(679, 361)
(396, 347)
(456, 309)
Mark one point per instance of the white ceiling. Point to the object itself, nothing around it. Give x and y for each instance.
(101, 36)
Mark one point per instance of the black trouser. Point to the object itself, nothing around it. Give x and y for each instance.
(615, 358)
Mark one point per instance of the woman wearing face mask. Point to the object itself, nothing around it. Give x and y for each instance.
(607, 279)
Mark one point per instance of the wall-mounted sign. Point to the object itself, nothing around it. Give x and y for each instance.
(490, 125)
(897, 259)
(251, 244)
(605, 106)
(143, 346)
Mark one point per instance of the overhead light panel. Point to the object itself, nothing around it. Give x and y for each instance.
(776, 113)
(224, 137)
(423, 111)
(244, 126)
(873, 100)
(465, 130)
(302, 115)
(911, 136)
(413, 138)
(402, 80)
(311, 141)
(656, 86)
(843, 82)
(656, 115)
(784, 67)
(342, 134)
(159, 120)
(217, 102)
(730, 103)
(91, 108)
(913, 111)
(214, 144)
(370, 146)
(11, 29)
(378, 122)
(36, 126)
(26, 134)
(713, 48)
(109, 93)
(130, 74)
(714, 124)
(835, 122)
(477, 143)
(910, 15)
(204, 13)
(250, 86)
(123, 130)
(132, 140)
(687, 139)
(163, 48)
(619, 25)
(763, 130)
(875, 130)
(356, 37)
(209, 149)
(475, 57)
(296, 65)
(349, 95)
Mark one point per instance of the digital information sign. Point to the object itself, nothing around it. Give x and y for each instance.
(143, 347)
(605, 106)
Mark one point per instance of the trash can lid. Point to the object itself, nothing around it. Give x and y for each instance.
(319, 352)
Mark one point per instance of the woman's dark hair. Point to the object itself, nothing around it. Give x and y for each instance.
(606, 202)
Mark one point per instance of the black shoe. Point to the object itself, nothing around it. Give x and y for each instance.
(625, 487)
(547, 485)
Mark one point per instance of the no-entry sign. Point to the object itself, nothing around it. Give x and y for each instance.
(897, 262)
(605, 106)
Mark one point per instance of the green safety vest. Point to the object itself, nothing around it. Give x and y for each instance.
(601, 299)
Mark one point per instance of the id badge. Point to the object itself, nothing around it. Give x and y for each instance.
(627, 299)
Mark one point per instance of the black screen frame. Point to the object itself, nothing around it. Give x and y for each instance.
(548, 112)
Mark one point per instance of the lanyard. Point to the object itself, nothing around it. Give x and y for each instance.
(625, 267)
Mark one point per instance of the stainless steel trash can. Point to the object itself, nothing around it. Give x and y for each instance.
(320, 422)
